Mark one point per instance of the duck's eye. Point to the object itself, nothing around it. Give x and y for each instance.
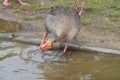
(54, 41)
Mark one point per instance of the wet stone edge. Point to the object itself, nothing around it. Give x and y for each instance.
(33, 41)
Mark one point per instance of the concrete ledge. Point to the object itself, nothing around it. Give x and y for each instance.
(71, 46)
(97, 49)
(5, 36)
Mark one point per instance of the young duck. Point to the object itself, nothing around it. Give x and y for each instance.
(64, 23)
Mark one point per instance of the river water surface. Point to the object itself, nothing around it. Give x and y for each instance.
(26, 62)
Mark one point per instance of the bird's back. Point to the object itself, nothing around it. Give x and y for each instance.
(63, 22)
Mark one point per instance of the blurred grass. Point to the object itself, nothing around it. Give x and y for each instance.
(91, 5)
(28, 18)
(109, 9)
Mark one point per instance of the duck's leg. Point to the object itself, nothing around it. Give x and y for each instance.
(66, 46)
(5, 3)
(75, 5)
(42, 42)
(82, 7)
(22, 3)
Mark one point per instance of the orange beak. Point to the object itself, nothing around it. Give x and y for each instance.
(47, 45)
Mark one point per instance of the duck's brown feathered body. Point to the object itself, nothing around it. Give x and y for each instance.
(62, 22)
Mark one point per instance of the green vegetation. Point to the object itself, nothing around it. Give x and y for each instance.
(39, 17)
(16, 11)
(27, 18)
(106, 27)
(86, 22)
(1, 1)
(107, 10)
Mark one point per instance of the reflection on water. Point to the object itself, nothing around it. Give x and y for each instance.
(25, 62)
(9, 26)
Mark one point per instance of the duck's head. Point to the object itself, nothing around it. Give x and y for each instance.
(52, 44)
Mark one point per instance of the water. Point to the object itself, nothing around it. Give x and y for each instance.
(25, 62)
(9, 26)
